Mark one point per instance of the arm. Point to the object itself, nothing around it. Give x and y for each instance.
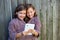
(36, 32)
(38, 26)
(12, 31)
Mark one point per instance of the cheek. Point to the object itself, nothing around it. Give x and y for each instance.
(33, 14)
(27, 14)
(19, 14)
(24, 15)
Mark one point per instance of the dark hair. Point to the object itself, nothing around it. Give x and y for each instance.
(20, 7)
(31, 6)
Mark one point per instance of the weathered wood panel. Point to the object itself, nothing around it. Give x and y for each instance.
(8, 16)
(2, 37)
(58, 12)
(49, 20)
(43, 11)
(55, 20)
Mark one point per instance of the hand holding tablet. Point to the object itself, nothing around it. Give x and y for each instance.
(28, 27)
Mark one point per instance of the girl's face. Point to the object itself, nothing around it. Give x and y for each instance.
(30, 12)
(21, 14)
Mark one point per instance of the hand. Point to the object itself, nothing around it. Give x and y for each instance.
(30, 30)
(25, 33)
(34, 32)
(18, 35)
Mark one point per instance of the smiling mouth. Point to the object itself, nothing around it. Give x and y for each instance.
(21, 16)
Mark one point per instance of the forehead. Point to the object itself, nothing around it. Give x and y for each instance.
(22, 11)
(30, 9)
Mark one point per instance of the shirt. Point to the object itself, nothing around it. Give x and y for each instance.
(17, 26)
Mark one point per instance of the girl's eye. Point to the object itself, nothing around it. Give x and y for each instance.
(20, 13)
(24, 13)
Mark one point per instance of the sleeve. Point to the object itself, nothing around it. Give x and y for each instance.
(38, 26)
(12, 31)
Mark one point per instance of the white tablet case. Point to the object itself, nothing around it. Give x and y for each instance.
(29, 26)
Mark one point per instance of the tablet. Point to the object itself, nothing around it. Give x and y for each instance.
(29, 26)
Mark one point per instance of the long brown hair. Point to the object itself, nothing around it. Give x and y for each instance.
(31, 6)
(27, 7)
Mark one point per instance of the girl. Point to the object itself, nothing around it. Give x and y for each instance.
(33, 19)
(16, 26)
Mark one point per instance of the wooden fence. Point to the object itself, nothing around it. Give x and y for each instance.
(48, 12)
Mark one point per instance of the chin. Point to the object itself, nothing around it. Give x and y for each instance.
(31, 17)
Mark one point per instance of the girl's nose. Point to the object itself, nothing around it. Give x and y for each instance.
(30, 13)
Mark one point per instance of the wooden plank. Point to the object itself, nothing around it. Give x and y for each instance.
(49, 20)
(20, 1)
(2, 17)
(8, 9)
(29, 1)
(43, 9)
(37, 6)
(55, 20)
(13, 6)
(8, 16)
(58, 8)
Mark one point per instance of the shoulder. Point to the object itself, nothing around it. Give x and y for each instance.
(36, 18)
(13, 21)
